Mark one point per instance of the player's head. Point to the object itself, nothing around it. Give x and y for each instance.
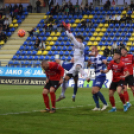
(94, 49)
(117, 55)
(44, 64)
(79, 38)
(123, 51)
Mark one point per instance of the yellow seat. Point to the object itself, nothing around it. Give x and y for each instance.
(131, 39)
(100, 34)
(132, 35)
(52, 34)
(129, 44)
(39, 52)
(109, 47)
(90, 17)
(103, 30)
(54, 38)
(100, 25)
(132, 16)
(58, 34)
(101, 52)
(124, 12)
(11, 25)
(98, 47)
(106, 25)
(44, 52)
(98, 39)
(85, 17)
(92, 38)
(95, 43)
(98, 30)
(2, 42)
(51, 43)
(16, 25)
(73, 25)
(48, 48)
(49, 38)
(89, 43)
(77, 21)
(95, 34)
(45, 16)
(102, 48)
(128, 48)
(14, 21)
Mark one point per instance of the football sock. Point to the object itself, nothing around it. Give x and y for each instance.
(99, 94)
(75, 88)
(53, 99)
(46, 101)
(122, 98)
(126, 96)
(112, 101)
(64, 87)
(96, 100)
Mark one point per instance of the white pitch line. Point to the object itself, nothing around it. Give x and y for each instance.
(34, 111)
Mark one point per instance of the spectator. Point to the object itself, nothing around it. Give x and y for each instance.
(3, 37)
(113, 3)
(82, 7)
(57, 8)
(29, 8)
(86, 7)
(132, 5)
(51, 3)
(42, 46)
(90, 23)
(9, 18)
(107, 18)
(106, 51)
(72, 9)
(31, 32)
(107, 5)
(53, 10)
(69, 3)
(15, 7)
(20, 6)
(63, 3)
(37, 43)
(91, 6)
(121, 45)
(50, 19)
(6, 24)
(38, 3)
(128, 18)
(123, 19)
(50, 26)
(55, 27)
(20, 11)
(10, 8)
(117, 19)
(77, 7)
(37, 31)
(83, 23)
(112, 19)
(126, 6)
(16, 11)
(66, 9)
(7, 10)
(114, 47)
(12, 15)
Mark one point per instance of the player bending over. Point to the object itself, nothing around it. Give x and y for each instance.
(54, 73)
(98, 62)
(78, 58)
(128, 59)
(118, 68)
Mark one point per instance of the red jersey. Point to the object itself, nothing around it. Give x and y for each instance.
(129, 62)
(118, 70)
(54, 72)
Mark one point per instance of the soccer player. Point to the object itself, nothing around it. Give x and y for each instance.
(54, 73)
(98, 62)
(119, 73)
(78, 57)
(128, 59)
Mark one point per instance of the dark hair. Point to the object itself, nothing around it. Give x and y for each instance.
(117, 52)
(124, 48)
(80, 37)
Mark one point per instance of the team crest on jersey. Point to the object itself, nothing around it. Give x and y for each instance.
(115, 66)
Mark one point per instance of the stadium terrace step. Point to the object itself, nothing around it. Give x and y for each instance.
(7, 51)
(10, 47)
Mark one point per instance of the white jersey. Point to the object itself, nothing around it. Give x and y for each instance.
(78, 53)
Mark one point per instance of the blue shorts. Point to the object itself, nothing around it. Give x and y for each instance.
(67, 65)
(98, 82)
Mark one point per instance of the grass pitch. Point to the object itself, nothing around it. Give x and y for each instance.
(20, 105)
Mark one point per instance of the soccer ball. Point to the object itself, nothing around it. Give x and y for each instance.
(21, 33)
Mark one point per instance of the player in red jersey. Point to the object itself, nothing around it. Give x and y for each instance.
(128, 59)
(119, 73)
(54, 73)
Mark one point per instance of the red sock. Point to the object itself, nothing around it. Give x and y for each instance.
(126, 96)
(53, 99)
(133, 94)
(112, 101)
(46, 100)
(122, 97)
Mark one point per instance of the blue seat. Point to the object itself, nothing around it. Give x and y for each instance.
(120, 39)
(86, 48)
(23, 17)
(109, 30)
(111, 8)
(55, 52)
(59, 48)
(29, 53)
(105, 34)
(132, 25)
(61, 53)
(22, 48)
(37, 63)
(30, 57)
(30, 43)
(116, 8)
(23, 53)
(117, 25)
(123, 34)
(103, 12)
(67, 43)
(50, 53)
(130, 30)
(98, 13)
(79, 33)
(114, 39)
(117, 34)
(14, 57)
(122, 25)
(93, 12)
(34, 52)
(72, 53)
(64, 48)
(34, 39)
(53, 48)
(16, 63)
(125, 30)
(70, 17)
(76, 29)
(42, 21)
(41, 57)
(100, 44)
(18, 53)
(95, 25)
(128, 25)
(86, 58)
(10, 62)
(65, 17)
(80, 17)
(82, 30)
(109, 39)
(56, 43)
(103, 39)
(44, 38)
(65, 38)
(66, 21)
(9, 34)
(47, 34)
(52, 58)
(126, 39)
(72, 21)
(93, 30)
(98, 21)
(106, 43)
(68, 58)
(111, 25)
(63, 58)
(62, 43)
(20, 57)
(101, 9)
(25, 57)
(109, 59)
(46, 57)
(96, 9)
(70, 48)
(113, 13)
(59, 17)
(55, 17)
(129, 12)
(35, 57)
(28, 38)
(66, 53)
(12, 29)
(71, 29)
(86, 39)
(27, 48)
(95, 17)
(19, 21)
(84, 34)
(60, 39)
(42, 34)
(75, 17)
(128, 35)
(38, 25)
(120, 30)
(109, 13)
(87, 30)
(63, 34)
(25, 43)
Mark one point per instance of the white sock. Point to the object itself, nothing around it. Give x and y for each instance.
(64, 87)
(83, 73)
(114, 107)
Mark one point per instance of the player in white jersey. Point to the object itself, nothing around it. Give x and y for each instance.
(78, 59)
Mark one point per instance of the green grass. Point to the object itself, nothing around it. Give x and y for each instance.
(77, 120)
